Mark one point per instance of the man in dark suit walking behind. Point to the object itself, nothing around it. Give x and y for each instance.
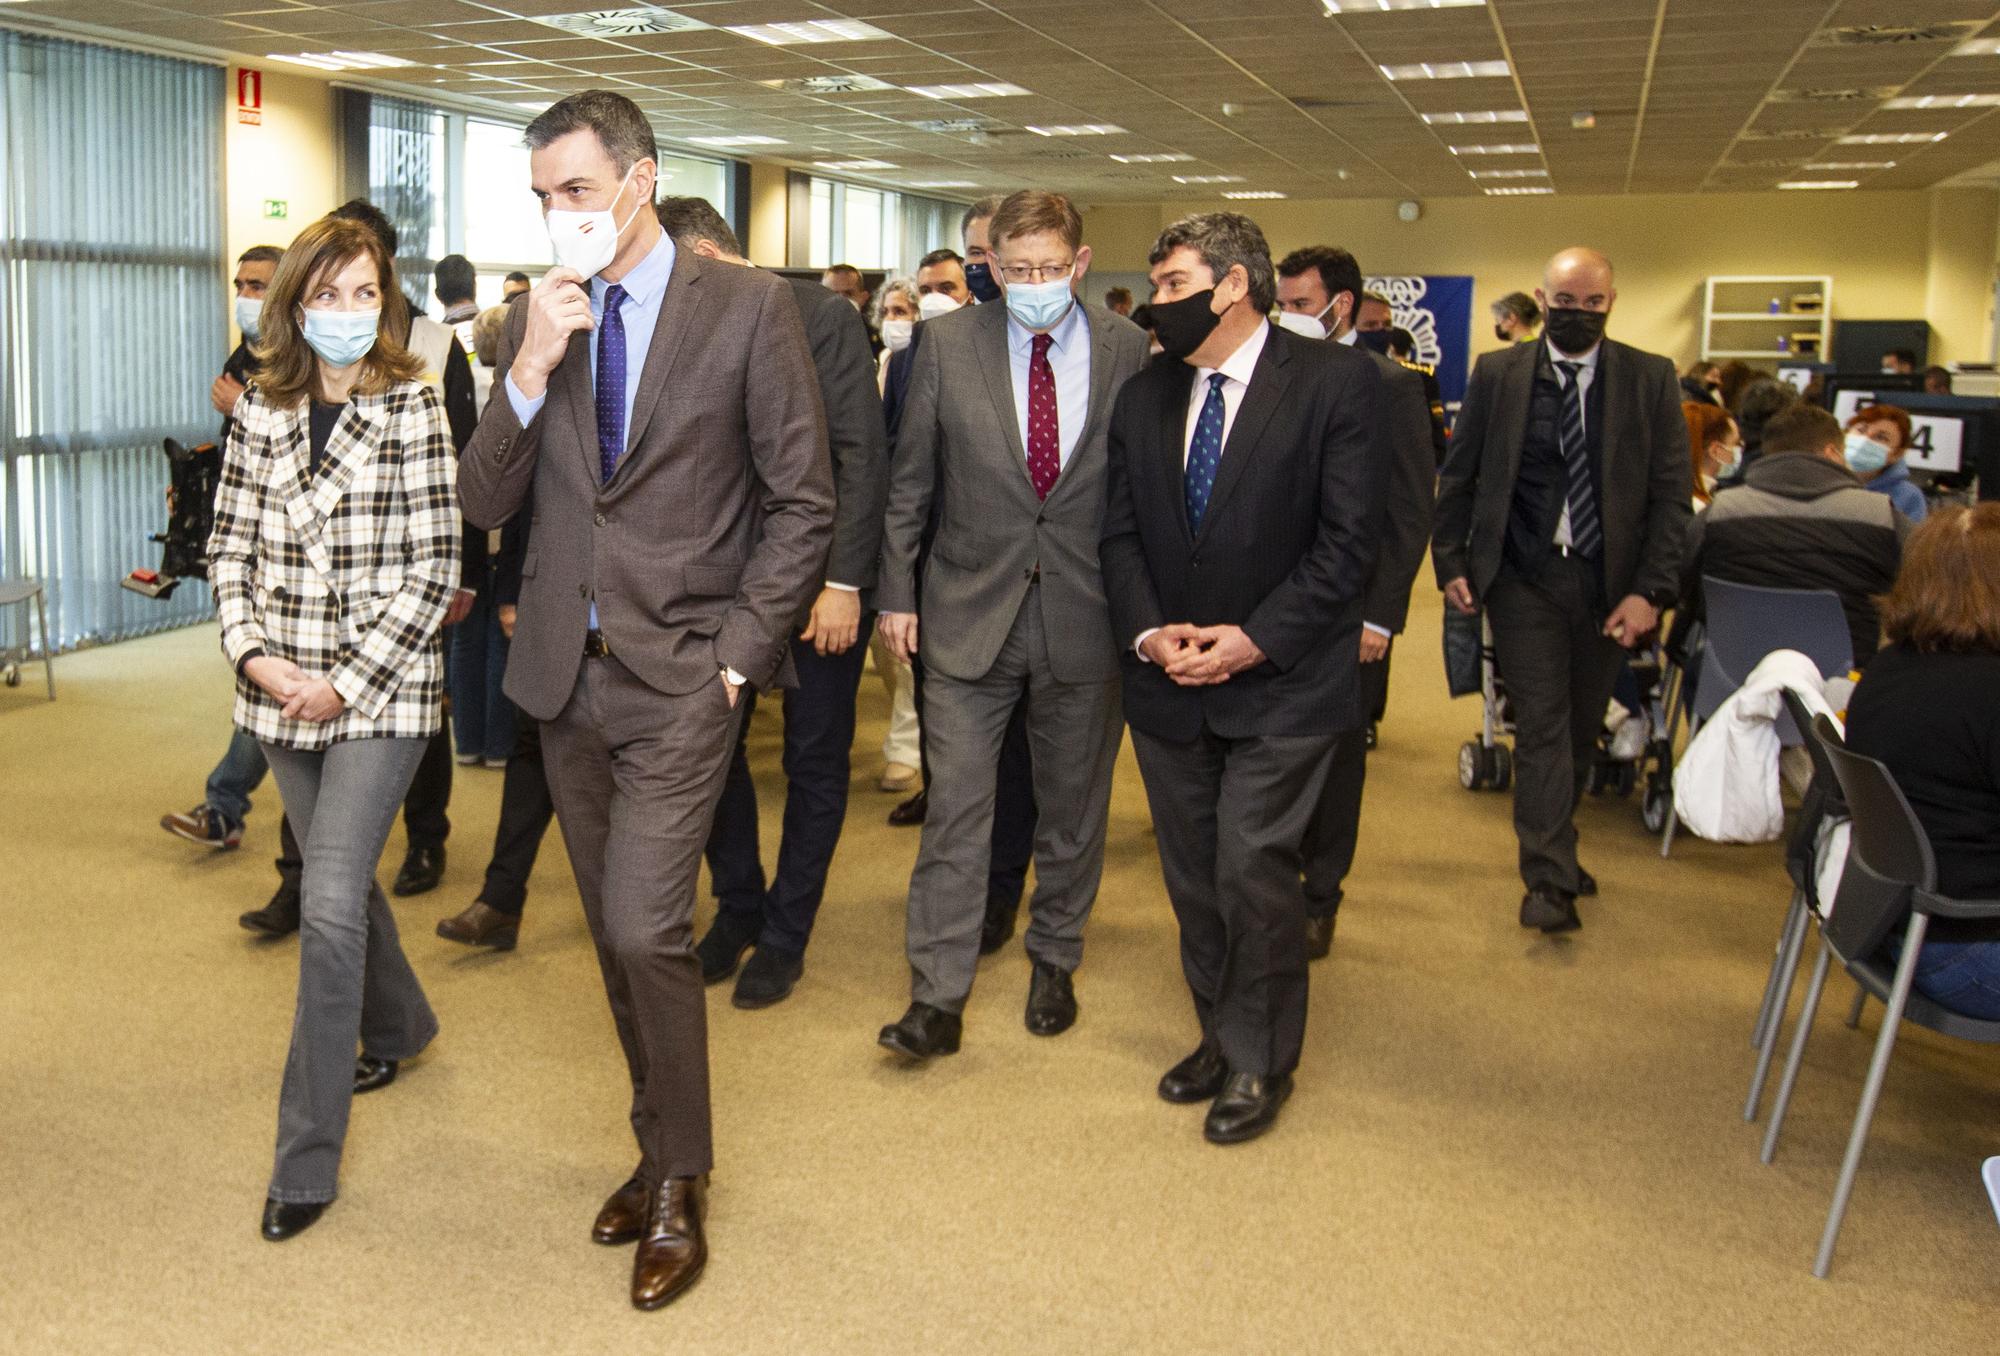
(664, 409)
(1563, 510)
(1240, 533)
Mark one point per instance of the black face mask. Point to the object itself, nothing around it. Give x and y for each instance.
(1182, 325)
(1574, 330)
(1375, 341)
(979, 281)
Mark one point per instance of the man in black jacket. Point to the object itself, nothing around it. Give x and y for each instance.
(1240, 531)
(777, 919)
(1563, 510)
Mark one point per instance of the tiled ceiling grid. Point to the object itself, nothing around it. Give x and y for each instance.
(1306, 98)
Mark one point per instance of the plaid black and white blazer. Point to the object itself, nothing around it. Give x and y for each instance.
(346, 573)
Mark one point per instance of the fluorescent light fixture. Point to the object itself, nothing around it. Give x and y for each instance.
(1169, 158)
(988, 89)
(808, 30)
(1821, 183)
(1333, 7)
(1446, 70)
(1511, 174)
(1894, 139)
(342, 61)
(1851, 165)
(1538, 190)
(1243, 193)
(736, 141)
(853, 164)
(1208, 178)
(1489, 115)
(1080, 129)
(1944, 101)
(1978, 47)
(944, 183)
(1507, 148)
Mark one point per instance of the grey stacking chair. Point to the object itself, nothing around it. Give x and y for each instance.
(1742, 623)
(27, 594)
(1890, 873)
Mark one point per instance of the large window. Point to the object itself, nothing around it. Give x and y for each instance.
(872, 228)
(111, 322)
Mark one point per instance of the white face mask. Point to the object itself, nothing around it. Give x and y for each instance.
(1301, 324)
(931, 305)
(587, 242)
(249, 311)
(896, 334)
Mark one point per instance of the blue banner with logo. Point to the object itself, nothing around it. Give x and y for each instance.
(1437, 311)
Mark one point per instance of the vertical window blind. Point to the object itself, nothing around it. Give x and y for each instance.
(112, 306)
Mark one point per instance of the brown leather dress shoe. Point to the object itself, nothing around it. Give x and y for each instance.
(674, 1251)
(623, 1218)
(482, 925)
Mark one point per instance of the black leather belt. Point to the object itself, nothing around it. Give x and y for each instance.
(595, 646)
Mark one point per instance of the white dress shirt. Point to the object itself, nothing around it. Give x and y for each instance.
(1585, 375)
(1069, 364)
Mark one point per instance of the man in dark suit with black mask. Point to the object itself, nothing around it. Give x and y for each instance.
(1241, 528)
(1563, 510)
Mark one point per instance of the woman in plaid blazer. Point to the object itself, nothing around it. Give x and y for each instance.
(334, 556)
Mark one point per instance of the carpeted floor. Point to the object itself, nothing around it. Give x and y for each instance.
(1499, 1142)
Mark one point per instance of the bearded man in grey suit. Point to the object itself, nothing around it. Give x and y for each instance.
(1013, 603)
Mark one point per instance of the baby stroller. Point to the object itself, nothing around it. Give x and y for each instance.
(1634, 748)
(194, 473)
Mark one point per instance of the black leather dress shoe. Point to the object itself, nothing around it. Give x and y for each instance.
(768, 978)
(998, 928)
(371, 1073)
(279, 918)
(1246, 1107)
(921, 1032)
(1198, 1078)
(1586, 884)
(287, 1219)
(1550, 910)
(721, 949)
(1319, 937)
(422, 870)
(1051, 1001)
(911, 811)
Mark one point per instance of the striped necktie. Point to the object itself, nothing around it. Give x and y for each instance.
(1586, 532)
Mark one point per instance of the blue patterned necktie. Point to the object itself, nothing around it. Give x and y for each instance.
(1586, 533)
(1205, 453)
(611, 383)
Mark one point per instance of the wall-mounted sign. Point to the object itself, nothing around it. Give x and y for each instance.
(276, 208)
(250, 102)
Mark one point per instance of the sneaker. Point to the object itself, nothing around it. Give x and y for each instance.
(497, 764)
(206, 825)
(467, 759)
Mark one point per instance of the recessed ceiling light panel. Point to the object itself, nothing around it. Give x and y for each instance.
(989, 89)
(1486, 116)
(1511, 174)
(1509, 148)
(343, 61)
(1333, 7)
(1208, 178)
(1893, 138)
(1447, 70)
(808, 31)
(1821, 183)
(1254, 193)
(853, 165)
(736, 141)
(1523, 191)
(1079, 129)
(1168, 158)
(1944, 101)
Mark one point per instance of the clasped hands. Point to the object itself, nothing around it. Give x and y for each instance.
(1201, 656)
(304, 697)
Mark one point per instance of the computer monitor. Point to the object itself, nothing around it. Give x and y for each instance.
(1844, 392)
(1799, 375)
(1952, 438)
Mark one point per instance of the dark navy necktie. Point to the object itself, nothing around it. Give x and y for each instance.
(1205, 453)
(611, 383)
(1586, 533)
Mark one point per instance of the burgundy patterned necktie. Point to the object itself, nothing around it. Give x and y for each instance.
(1044, 431)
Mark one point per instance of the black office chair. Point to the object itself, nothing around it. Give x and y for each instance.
(1890, 873)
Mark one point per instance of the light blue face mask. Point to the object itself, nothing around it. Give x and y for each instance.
(1865, 455)
(1039, 305)
(341, 338)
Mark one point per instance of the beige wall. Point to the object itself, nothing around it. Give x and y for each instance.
(769, 214)
(1891, 255)
(289, 156)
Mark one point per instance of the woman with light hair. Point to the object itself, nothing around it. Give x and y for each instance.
(895, 315)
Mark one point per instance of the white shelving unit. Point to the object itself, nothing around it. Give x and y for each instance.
(1738, 319)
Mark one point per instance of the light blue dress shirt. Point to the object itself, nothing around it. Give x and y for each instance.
(1069, 359)
(645, 288)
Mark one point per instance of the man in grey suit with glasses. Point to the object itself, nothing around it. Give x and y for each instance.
(1013, 604)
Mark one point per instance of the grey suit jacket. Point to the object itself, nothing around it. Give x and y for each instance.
(960, 441)
(854, 431)
(1644, 483)
(1408, 486)
(709, 540)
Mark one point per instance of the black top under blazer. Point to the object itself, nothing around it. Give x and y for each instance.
(1286, 548)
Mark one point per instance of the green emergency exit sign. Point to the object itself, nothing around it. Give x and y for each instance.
(276, 208)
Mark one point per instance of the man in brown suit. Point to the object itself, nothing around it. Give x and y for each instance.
(663, 410)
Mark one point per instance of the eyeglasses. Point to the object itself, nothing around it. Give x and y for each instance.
(1023, 273)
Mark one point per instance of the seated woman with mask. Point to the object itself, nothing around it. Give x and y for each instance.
(1878, 438)
(1714, 444)
(1929, 708)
